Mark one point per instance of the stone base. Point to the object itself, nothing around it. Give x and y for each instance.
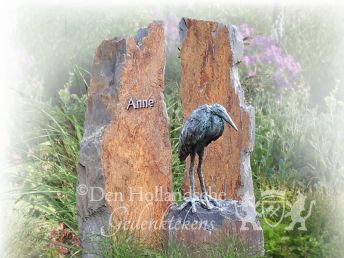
(232, 219)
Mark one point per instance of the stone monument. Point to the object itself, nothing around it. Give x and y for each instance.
(210, 53)
(125, 154)
(124, 166)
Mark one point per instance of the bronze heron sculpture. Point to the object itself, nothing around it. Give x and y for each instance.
(205, 124)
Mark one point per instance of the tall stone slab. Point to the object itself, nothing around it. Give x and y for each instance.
(210, 52)
(124, 169)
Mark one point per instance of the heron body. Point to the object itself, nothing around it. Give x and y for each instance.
(199, 130)
(205, 124)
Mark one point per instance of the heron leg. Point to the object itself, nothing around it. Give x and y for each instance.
(205, 196)
(208, 205)
(199, 171)
(191, 176)
(192, 199)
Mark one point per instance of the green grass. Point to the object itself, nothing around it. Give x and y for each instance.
(124, 244)
(47, 174)
(175, 115)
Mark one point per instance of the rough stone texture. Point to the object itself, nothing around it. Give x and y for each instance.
(210, 52)
(123, 149)
(232, 219)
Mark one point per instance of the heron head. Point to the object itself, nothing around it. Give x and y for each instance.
(220, 111)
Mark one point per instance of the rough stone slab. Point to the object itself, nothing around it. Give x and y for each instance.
(232, 220)
(210, 52)
(125, 151)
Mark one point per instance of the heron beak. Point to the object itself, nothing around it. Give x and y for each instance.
(229, 120)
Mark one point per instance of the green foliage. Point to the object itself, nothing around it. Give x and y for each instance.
(323, 237)
(48, 174)
(125, 244)
(294, 142)
(175, 114)
(50, 177)
(297, 149)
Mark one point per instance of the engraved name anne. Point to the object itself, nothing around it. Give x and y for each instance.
(140, 103)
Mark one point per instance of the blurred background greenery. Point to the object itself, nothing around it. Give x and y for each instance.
(292, 74)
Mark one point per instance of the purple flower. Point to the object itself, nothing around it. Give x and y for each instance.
(263, 41)
(245, 30)
(249, 60)
(264, 53)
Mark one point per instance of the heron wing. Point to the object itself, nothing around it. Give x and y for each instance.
(193, 132)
